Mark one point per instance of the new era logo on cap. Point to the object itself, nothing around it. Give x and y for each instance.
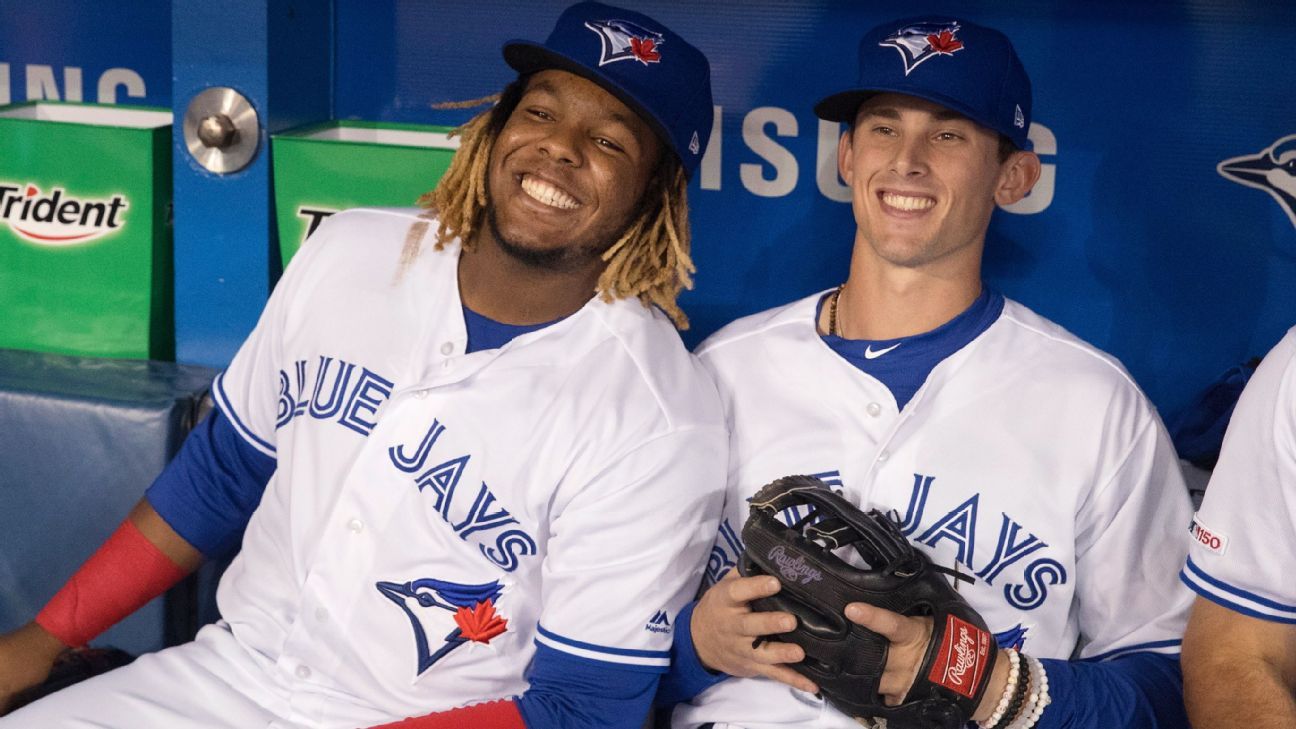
(626, 41)
(924, 41)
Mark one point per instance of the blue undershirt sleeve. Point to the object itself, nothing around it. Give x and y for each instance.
(1134, 691)
(572, 693)
(209, 490)
(687, 677)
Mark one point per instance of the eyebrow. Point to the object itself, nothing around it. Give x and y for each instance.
(549, 88)
(887, 112)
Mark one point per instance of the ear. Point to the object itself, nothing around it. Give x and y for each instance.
(1017, 175)
(844, 166)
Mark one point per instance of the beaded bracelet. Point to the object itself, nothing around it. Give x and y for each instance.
(1038, 699)
(1011, 693)
(1019, 692)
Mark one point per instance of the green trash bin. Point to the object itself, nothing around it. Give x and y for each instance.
(85, 230)
(323, 168)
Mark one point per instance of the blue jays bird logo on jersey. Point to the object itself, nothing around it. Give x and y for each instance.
(473, 607)
(923, 41)
(1272, 169)
(625, 41)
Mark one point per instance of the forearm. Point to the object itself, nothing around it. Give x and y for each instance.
(1238, 692)
(141, 560)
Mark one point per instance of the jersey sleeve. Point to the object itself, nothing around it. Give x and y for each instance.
(1131, 540)
(626, 552)
(253, 392)
(1244, 536)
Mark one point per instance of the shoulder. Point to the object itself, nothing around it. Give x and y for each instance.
(637, 356)
(1049, 352)
(774, 329)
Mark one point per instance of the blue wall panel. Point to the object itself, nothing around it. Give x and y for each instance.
(1143, 248)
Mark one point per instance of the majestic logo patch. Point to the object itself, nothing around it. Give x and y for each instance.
(58, 218)
(660, 623)
(962, 659)
(1272, 169)
(1212, 540)
(626, 41)
(923, 41)
(473, 607)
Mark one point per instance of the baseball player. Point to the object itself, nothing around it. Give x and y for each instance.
(1008, 449)
(1239, 657)
(477, 470)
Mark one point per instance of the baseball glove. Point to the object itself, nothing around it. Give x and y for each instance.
(846, 660)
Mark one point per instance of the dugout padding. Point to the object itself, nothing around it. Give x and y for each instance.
(80, 441)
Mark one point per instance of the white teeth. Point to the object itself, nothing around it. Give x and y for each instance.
(905, 202)
(543, 192)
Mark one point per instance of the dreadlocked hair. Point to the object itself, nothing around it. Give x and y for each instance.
(650, 260)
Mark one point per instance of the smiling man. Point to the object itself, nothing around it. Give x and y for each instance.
(1009, 450)
(474, 468)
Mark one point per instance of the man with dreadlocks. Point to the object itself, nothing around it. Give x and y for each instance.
(471, 460)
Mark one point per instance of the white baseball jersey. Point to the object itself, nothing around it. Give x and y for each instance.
(1244, 535)
(434, 514)
(1027, 459)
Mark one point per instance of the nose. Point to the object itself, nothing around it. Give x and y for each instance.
(910, 159)
(561, 143)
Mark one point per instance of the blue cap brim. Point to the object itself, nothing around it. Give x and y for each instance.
(843, 106)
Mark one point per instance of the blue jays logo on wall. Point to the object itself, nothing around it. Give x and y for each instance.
(1272, 169)
(625, 41)
(924, 41)
(473, 607)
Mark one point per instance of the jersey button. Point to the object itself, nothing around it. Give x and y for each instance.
(873, 409)
(355, 525)
(303, 672)
(447, 348)
(420, 394)
(883, 455)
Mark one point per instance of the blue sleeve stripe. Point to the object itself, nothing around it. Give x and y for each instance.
(1193, 574)
(623, 656)
(1214, 597)
(1138, 648)
(222, 401)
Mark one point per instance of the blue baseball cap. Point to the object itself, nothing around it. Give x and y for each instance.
(964, 67)
(643, 63)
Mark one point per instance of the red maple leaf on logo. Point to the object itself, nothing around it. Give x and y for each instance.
(645, 49)
(944, 42)
(480, 623)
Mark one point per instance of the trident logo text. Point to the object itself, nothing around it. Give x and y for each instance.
(57, 218)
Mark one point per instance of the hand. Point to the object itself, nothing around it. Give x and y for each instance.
(909, 638)
(725, 632)
(26, 657)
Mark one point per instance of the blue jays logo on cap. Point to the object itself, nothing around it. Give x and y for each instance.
(924, 41)
(625, 41)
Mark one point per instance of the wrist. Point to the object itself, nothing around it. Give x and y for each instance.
(701, 651)
(995, 687)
